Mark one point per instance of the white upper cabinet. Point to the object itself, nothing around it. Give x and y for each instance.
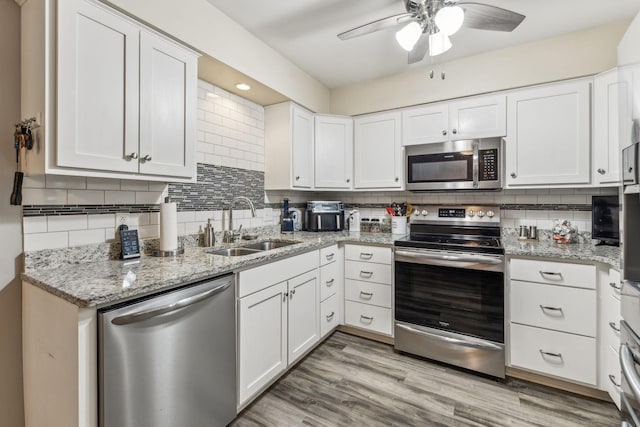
(333, 152)
(289, 133)
(611, 114)
(548, 142)
(479, 117)
(114, 98)
(378, 154)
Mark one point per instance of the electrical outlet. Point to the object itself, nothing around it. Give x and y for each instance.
(122, 219)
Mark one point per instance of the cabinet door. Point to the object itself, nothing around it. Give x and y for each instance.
(97, 92)
(425, 125)
(168, 95)
(378, 155)
(333, 152)
(302, 147)
(610, 113)
(304, 317)
(262, 339)
(478, 118)
(548, 141)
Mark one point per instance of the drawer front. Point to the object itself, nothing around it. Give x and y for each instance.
(613, 286)
(377, 254)
(611, 320)
(370, 317)
(328, 255)
(614, 376)
(554, 273)
(329, 315)
(368, 293)
(329, 280)
(555, 353)
(559, 308)
(368, 272)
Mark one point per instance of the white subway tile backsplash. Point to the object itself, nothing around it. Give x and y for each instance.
(119, 197)
(576, 200)
(148, 231)
(39, 241)
(86, 237)
(103, 184)
(61, 181)
(189, 216)
(43, 196)
(34, 181)
(132, 185)
(101, 221)
(85, 197)
(34, 224)
(66, 223)
(149, 197)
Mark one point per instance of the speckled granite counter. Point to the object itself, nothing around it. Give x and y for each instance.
(574, 251)
(102, 283)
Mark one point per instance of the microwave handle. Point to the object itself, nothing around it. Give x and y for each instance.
(475, 164)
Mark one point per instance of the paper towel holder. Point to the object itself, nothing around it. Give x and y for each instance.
(168, 253)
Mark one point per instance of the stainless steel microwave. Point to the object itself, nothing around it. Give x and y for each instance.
(471, 164)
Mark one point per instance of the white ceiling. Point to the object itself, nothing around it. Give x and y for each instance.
(305, 31)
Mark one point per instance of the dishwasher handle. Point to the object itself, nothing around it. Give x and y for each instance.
(148, 314)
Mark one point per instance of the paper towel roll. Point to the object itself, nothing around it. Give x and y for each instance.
(168, 227)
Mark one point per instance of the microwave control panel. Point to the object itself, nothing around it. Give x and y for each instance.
(488, 165)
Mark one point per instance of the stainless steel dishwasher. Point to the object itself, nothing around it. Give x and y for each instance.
(170, 359)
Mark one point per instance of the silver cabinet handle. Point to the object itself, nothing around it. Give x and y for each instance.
(131, 156)
(513, 175)
(444, 132)
(293, 291)
(601, 171)
(454, 131)
(615, 286)
(551, 273)
(185, 302)
(614, 327)
(366, 274)
(612, 378)
(366, 295)
(330, 282)
(146, 158)
(545, 308)
(546, 353)
(397, 179)
(329, 256)
(330, 316)
(285, 295)
(367, 319)
(298, 178)
(365, 255)
(348, 180)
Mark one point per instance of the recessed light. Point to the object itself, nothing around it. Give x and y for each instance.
(243, 86)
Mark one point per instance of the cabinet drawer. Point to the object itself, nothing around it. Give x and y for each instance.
(560, 308)
(368, 293)
(328, 255)
(611, 317)
(554, 273)
(329, 280)
(329, 315)
(614, 375)
(555, 353)
(365, 316)
(377, 254)
(366, 271)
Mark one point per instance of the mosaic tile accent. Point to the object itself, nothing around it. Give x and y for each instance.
(514, 207)
(55, 210)
(216, 187)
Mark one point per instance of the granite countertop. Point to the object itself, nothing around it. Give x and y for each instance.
(102, 283)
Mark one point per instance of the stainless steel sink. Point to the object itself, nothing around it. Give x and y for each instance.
(233, 251)
(270, 244)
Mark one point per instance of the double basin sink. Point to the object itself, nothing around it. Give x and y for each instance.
(253, 248)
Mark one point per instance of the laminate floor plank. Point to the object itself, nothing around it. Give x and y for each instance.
(352, 381)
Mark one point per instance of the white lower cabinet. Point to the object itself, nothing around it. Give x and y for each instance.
(331, 291)
(329, 315)
(370, 317)
(304, 316)
(610, 316)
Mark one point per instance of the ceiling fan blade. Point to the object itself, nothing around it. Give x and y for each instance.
(378, 25)
(420, 49)
(485, 17)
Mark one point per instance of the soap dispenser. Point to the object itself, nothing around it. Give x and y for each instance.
(209, 235)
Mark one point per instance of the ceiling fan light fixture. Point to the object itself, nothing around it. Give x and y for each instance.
(449, 19)
(438, 43)
(408, 36)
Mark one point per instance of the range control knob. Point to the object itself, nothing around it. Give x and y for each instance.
(424, 212)
(480, 214)
(416, 212)
(470, 213)
(491, 214)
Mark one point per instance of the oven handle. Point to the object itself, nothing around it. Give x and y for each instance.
(424, 256)
(458, 341)
(475, 164)
(627, 408)
(627, 361)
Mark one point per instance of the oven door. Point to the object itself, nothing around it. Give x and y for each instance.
(630, 352)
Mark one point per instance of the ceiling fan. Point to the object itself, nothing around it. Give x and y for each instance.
(429, 23)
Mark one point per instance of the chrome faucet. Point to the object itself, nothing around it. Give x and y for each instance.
(231, 235)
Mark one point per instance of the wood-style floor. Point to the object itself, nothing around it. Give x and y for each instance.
(351, 381)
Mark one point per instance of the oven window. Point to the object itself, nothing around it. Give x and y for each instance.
(450, 167)
(469, 302)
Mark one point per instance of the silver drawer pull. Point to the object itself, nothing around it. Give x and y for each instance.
(557, 276)
(330, 282)
(366, 319)
(615, 286)
(366, 295)
(366, 274)
(612, 378)
(614, 326)
(365, 255)
(330, 316)
(546, 353)
(546, 308)
(329, 256)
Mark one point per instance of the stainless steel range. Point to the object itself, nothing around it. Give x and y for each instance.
(449, 287)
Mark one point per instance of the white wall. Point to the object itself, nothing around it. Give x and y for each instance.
(204, 27)
(629, 47)
(577, 54)
(11, 403)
